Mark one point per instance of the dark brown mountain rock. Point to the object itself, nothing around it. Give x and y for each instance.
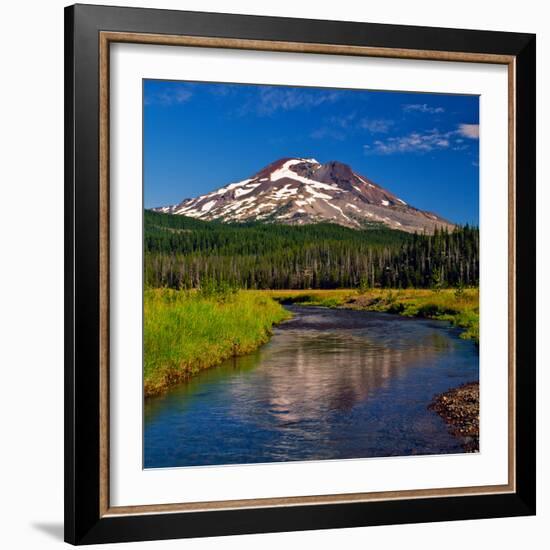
(300, 191)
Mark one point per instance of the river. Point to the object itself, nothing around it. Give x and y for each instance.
(330, 384)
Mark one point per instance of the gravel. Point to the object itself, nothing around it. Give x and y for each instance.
(459, 407)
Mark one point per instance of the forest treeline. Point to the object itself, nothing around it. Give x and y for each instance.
(186, 253)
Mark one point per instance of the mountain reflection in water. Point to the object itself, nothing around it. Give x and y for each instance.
(330, 384)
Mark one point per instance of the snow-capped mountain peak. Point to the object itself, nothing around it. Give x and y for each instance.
(299, 191)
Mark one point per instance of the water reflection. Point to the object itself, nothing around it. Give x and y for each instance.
(330, 384)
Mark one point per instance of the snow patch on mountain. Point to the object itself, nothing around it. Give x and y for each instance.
(302, 190)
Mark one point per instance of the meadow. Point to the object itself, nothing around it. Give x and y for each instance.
(187, 331)
(195, 317)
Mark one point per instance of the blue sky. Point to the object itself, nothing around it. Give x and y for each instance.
(422, 147)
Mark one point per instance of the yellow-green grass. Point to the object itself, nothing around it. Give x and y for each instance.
(185, 331)
(459, 306)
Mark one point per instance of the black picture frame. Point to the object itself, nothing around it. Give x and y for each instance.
(84, 524)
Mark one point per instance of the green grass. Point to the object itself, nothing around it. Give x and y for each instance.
(458, 306)
(187, 331)
(324, 298)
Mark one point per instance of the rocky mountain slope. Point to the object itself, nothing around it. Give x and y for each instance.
(302, 191)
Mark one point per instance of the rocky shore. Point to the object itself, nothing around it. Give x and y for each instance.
(459, 408)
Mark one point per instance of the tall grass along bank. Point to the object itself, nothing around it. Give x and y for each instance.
(187, 331)
(460, 306)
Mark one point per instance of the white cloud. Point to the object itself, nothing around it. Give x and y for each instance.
(269, 100)
(426, 141)
(415, 142)
(469, 130)
(328, 132)
(343, 121)
(340, 126)
(376, 126)
(422, 108)
(171, 95)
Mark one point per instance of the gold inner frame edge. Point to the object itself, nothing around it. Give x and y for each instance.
(108, 37)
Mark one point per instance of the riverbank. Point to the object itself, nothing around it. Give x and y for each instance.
(459, 408)
(458, 306)
(187, 331)
(331, 384)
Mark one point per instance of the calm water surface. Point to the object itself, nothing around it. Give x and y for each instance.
(330, 384)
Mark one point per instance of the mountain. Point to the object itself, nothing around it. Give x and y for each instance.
(299, 191)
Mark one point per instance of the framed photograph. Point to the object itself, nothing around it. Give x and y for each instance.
(300, 274)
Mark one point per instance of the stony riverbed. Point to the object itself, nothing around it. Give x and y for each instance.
(459, 408)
